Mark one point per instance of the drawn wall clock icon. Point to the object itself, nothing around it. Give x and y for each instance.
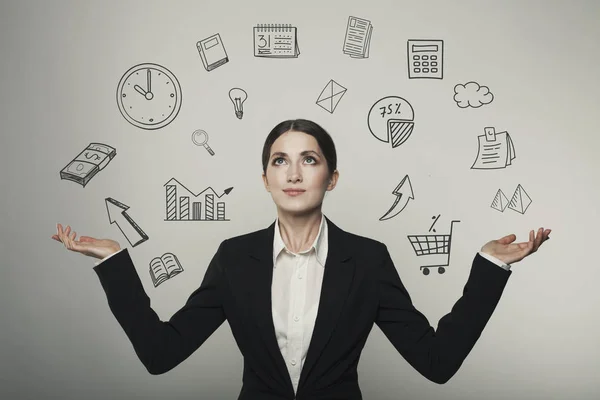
(149, 96)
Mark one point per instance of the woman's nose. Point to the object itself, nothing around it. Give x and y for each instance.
(294, 174)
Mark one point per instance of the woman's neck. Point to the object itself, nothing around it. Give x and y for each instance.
(299, 231)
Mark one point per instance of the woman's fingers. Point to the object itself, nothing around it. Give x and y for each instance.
(507, 239)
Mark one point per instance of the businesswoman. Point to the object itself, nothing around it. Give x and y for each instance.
(302, 295)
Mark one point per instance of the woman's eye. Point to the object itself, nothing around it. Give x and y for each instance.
(311, 159)
(276, 161)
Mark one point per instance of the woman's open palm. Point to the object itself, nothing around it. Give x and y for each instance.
(504, 249)
(86, 245)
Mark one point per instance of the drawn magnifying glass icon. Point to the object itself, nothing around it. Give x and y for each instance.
(200, 138)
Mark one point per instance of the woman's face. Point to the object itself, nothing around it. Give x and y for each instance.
(297, 174)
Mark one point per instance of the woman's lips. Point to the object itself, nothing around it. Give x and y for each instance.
(294, 192)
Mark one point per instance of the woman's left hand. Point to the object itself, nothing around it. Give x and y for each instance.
(505, 250)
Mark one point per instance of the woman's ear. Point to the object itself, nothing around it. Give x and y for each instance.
(265, 182)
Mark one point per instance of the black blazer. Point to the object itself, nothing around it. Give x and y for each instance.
(360, 287)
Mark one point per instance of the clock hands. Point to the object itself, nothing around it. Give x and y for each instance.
(146, 93)
(139, 89)
(148, 79)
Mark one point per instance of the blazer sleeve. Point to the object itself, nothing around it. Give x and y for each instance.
(438, 354)
(162, 345)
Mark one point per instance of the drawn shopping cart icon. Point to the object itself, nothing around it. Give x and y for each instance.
(433, 244)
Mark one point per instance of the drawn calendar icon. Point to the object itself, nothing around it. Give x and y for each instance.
(276, 41)
(425, 59)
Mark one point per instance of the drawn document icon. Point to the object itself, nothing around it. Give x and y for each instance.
(358, 37)
(276, 41)
(212, 52)
(331, 96)
(495, 150)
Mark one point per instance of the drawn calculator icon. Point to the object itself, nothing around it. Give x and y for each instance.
(425, 59)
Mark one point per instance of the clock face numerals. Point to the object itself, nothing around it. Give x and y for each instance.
(149, 96)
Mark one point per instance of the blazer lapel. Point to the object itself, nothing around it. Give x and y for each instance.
(260, 300)
(337, 280)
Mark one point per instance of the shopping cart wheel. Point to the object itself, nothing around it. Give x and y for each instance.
(441, 270)
(425, 271)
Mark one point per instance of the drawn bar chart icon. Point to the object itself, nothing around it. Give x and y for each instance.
(184, 205)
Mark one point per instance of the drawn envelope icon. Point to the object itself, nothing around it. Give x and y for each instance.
(331, 95)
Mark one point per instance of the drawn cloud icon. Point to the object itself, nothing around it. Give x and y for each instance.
(471, 94)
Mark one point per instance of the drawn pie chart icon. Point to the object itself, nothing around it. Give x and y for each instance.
(391, 120)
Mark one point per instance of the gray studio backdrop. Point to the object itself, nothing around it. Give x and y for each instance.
(534, 66)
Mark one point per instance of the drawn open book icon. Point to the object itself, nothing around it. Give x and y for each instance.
(164, 267)
(331, 95)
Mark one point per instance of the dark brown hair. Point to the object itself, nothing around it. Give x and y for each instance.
(310, 128)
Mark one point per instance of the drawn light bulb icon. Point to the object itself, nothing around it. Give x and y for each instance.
(238, 96)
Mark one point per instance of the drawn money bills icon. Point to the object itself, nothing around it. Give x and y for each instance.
(88, 163)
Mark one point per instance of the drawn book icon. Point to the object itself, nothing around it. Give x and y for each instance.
(212, 52)
(164, 267)
(276, 41)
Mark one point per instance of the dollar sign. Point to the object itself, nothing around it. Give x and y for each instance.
(89, 156)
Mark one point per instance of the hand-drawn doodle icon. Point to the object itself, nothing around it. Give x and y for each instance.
(164, 267)
(117, 214)
(494, 151)
(472, 95)
(149, 96)
(276, 41)
(212, 52)
(519, 202)
(331, 95)
(425, 59)
(178, 199)
(391, 120)
(358, 37)
(200, 138)
(88, 163)
(238, 97)
(403, 195)
(433, 244)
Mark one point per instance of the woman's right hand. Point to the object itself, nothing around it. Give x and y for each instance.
(86, 245)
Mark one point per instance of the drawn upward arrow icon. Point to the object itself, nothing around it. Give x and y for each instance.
(117, 214)
(403, 194)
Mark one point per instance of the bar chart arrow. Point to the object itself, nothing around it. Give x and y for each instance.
(117, 214)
